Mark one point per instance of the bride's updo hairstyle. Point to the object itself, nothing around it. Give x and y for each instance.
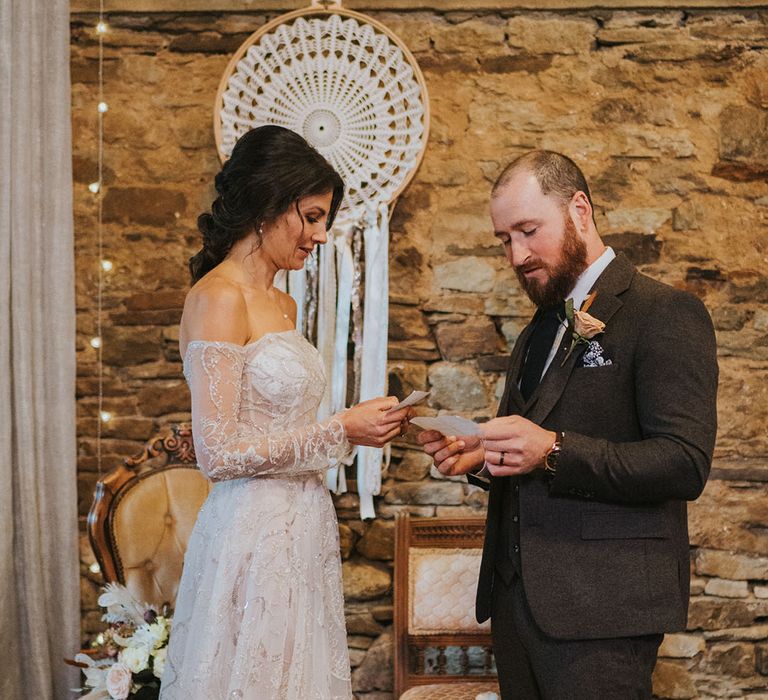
(270, 170)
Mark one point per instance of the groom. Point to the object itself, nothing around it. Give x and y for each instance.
(606, 428)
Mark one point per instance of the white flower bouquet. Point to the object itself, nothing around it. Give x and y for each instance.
(127, 660)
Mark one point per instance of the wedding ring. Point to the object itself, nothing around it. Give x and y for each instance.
(501, 459)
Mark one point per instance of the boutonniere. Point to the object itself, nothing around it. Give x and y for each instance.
(581, 325)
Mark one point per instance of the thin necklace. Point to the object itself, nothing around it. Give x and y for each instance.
(280, 308)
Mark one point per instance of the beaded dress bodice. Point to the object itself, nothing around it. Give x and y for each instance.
(254, 407)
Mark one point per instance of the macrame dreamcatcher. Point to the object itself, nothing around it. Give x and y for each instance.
(354, 91)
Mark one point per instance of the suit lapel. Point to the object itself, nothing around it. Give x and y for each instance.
(615, 279)
(512, 398)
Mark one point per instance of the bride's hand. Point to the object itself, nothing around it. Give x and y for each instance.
(369, 423)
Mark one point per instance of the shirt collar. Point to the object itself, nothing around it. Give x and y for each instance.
(587, 280)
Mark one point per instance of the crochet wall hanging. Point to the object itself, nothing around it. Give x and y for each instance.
(353, 90)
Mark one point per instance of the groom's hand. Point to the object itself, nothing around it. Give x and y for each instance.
(452, 456)
(514, 445)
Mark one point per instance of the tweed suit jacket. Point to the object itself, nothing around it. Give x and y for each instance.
(604, 543)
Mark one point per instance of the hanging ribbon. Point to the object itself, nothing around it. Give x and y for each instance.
(311, 294)
(281, 281)
(357, 310)
(336, 477)
(297, 288)
(326, 320)
(345, 272)
(373, 382)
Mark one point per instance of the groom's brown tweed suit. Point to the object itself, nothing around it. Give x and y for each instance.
(602, 547)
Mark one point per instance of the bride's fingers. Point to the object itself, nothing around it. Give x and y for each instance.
(392, 418)
(391, 435)
(387, 428)
(401, 414)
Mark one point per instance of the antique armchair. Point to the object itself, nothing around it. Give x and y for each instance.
(142, 515)
(441, 652)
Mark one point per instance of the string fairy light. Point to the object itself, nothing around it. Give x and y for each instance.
(104, 265)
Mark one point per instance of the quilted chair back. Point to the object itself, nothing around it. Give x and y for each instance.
(142, 516)
(441, 652)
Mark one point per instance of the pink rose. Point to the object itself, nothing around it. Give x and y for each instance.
(119, 681)
(587, 326)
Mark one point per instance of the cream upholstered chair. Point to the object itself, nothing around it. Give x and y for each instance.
(441, 652)
(142, 515)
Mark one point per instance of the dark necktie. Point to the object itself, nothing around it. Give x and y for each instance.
(539, 347)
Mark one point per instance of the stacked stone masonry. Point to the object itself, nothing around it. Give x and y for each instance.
(667, 112)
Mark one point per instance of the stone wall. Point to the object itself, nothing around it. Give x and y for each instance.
(666, 112)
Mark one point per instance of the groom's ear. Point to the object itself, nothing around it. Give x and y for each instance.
(580, 211)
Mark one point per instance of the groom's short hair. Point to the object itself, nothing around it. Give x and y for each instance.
(556, 174)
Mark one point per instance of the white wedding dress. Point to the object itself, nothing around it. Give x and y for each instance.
(260, 612)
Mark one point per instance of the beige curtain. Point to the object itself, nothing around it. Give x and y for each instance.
(39, 589)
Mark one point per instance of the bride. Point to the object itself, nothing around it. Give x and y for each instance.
(260, 612)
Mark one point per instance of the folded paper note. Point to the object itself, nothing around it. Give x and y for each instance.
(412, 399)
(447, 425)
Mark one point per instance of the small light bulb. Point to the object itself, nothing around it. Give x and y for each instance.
(106, 265)
(102, 27)
(106, 416)
(94, 187)
(96, 342)
(94, 568)
(103, 107)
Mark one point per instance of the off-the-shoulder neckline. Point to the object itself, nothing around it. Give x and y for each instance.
(227, 344)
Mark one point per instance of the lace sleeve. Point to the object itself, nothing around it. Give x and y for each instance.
(227, 449)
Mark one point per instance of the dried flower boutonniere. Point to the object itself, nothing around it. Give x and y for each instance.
(583, 327)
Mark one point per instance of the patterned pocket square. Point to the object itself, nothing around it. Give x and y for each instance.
(594, 356)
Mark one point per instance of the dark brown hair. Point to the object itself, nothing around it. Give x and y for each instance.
(271, 168)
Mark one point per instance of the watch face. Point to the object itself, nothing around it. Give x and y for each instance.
(552, 459)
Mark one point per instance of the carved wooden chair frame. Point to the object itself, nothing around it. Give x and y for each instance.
(448, 533)
(174, 450)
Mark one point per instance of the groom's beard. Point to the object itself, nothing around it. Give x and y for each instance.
(562, 275)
